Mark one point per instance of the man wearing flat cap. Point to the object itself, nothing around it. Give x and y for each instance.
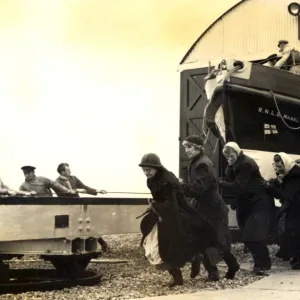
(290, 58)
(202, 186)
(41, 186)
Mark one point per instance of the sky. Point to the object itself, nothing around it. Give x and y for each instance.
(94, 83)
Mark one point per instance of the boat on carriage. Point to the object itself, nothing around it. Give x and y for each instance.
(257, 106)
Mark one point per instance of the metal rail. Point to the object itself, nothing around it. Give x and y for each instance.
(31, 200)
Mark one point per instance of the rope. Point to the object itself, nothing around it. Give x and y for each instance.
(203, 124)
(133, 193)
(236, 68)
(216, 146)
(284, 122)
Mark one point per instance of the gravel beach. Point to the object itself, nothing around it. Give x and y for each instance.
(136, 278)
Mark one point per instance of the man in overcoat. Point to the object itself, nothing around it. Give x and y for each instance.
(202, 187)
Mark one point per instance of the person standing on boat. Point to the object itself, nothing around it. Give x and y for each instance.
(253, 204)
(72, 182)
(290, 58)
(202, 187)
(286, 188)
(172, 232)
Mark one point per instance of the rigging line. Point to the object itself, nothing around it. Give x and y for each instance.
(281, 117)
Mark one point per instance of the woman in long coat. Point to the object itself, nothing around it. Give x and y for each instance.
(253, 203)
(168, 226)
(286, 188)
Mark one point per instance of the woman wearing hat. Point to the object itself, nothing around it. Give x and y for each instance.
(168, 238)
(202, 187)
(253, 204)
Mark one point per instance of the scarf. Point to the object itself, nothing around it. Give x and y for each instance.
(234, 146)
(287, 161)
(66, 181)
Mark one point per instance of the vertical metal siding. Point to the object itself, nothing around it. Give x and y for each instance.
(252, 29)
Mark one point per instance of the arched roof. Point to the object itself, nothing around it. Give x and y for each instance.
(208, 29)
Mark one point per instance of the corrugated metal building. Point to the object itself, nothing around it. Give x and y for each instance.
(250, 30)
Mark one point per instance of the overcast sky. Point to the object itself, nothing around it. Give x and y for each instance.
(94, 83)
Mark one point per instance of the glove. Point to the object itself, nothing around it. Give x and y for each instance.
(233, 206)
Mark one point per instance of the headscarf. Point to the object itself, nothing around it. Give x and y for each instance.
(288, 162)
(234, 146)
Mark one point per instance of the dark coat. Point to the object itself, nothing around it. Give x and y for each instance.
(182, 232)
(253, 204)
(202, 185)
(75, 184)
(288, 192)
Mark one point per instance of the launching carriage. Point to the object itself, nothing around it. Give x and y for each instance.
(63, 231)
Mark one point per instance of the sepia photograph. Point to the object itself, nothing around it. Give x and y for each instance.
(150, 149)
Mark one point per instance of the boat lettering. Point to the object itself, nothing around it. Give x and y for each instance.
(271, 112)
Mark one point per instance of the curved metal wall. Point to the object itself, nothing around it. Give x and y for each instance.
(249, 31)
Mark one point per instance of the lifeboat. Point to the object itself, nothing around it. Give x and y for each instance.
(256, 106)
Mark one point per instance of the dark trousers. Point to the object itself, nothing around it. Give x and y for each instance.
(228, 258)
(260, 254)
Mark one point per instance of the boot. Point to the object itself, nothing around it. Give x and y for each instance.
(177, 277)
(233, 265)
(295, 263)
(212, 270)
(280, 254)
(103, 244)
(195, 269)
(213, 276)
(259, 271)
(230, 274)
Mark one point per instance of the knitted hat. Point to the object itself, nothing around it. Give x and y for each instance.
(150, 160)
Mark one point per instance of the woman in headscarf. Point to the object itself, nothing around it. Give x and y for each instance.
(253, 204)
(286, 188)
(173, 233)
